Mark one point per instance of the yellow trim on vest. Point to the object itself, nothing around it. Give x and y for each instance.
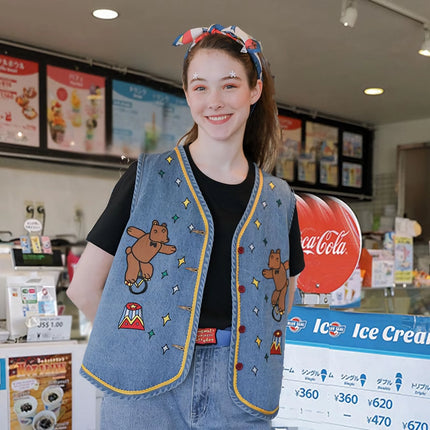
(196, 290)
(236, 353)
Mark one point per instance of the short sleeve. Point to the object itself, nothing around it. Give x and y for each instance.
(297, 261)
(110, 226)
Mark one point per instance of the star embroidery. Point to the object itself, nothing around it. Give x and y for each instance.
(151, 333)
(178, 182)
(186, 202)
(251, 247)
(254, 370)
(175, 289)
(266, 357)
(258, 341)
(257, 223)
(169, 159)
(256, 310)
(265, 241)
(165, 348)
(279, 202)
(166, 319)
(164, 274)
(264, 204)
(161, 173)
(266, 298)
(175, 218)
(191, 228)
(255, 282)
(181, 261)
(271, 185)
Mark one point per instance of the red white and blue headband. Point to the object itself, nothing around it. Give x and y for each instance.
(249, 44)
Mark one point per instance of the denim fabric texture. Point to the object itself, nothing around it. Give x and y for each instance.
(143, 337)
(201, 402)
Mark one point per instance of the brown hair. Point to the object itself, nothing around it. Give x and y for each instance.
(262, 132)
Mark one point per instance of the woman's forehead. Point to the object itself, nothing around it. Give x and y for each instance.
(213, 60)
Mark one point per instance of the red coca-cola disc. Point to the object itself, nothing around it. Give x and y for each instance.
(331, 241)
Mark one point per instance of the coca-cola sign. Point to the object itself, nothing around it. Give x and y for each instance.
(331, 241)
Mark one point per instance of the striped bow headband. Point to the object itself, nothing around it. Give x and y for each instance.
(249, 44)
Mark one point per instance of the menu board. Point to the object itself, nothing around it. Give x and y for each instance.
(353, 370)
(75, 111)
(41, 392)
(321, 146)
(146, 120)
(352, 145)
(19, 101)
(352, 175)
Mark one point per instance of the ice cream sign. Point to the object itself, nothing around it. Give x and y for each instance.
(373, 332)
(331, 241)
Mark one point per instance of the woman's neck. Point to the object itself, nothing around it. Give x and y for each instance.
(220, 161)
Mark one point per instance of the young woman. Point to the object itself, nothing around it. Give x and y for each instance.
(190, 271)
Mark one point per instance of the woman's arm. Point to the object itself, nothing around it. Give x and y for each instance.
(291, 289)
(89, 278)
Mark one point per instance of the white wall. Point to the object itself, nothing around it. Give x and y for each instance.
(61, 188)
(386, 140)
(389, 136)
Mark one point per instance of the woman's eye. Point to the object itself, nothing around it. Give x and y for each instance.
(199, 88)
(230, 86)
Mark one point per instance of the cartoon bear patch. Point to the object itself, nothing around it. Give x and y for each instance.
(278, 272)
(146, 247)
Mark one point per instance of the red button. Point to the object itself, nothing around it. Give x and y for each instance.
(239, 366)
(241, 250)
(241, 288)
(242, 329)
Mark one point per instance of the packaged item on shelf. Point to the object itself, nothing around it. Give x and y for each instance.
(36, 247)
(25, 244)
(46, 245)
(378, 265)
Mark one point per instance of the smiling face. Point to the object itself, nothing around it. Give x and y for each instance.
(219, 96)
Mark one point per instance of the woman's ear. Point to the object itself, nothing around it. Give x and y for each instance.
(256, 91)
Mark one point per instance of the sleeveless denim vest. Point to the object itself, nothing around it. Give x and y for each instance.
(143, 336)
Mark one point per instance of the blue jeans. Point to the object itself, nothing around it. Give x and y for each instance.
(201, 402)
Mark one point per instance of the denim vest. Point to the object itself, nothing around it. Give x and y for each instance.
(144, 332)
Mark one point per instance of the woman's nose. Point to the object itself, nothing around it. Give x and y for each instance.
(215, 100)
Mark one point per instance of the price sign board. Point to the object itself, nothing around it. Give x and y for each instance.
(350, 370)
(49, 328)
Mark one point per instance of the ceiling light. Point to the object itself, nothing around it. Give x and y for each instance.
(348, 15)
(105, 13)
(425, 47)
(373, 91)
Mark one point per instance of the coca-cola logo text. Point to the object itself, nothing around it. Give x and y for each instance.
(329, 243)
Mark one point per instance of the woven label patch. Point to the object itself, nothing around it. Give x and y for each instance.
(206, 336)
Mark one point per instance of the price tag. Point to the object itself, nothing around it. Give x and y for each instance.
(43, 329)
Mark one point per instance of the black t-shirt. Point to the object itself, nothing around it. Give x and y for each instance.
(227, 203)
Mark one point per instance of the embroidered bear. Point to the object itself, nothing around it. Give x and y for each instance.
(278, 272)
(146, 247)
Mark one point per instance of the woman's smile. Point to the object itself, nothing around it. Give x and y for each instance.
(219, 119)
